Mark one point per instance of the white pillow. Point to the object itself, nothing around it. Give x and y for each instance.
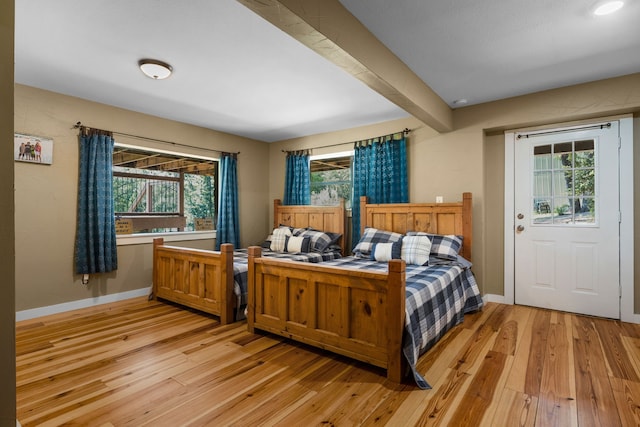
(416, 249)
(297, 244)
(279, 238)
(384, 252)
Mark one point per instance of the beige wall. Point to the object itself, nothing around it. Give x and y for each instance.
(46, 195)
(7, 260)
(471, 158)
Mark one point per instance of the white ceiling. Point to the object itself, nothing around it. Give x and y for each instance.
(237, 73)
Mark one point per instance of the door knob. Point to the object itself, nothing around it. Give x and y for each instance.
(520, 228)
(520, 216)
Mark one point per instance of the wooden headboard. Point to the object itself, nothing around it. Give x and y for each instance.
(435, 218)
(323, 218)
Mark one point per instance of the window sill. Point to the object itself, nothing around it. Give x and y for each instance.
(144, 238)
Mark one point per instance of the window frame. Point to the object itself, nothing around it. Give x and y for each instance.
(349, 153)
(169, 236)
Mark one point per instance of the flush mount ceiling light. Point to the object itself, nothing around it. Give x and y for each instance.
(608, 7)
(155, 69)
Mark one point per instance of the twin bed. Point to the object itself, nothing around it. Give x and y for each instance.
(383, 313)
(215, 281)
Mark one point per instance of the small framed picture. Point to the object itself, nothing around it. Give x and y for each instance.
(32, 149)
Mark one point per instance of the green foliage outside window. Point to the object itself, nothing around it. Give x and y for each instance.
(329, 186)
(199, 198)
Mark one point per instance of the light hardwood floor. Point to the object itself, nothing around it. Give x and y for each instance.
(140, 362)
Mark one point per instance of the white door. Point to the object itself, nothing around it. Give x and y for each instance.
(567, 221)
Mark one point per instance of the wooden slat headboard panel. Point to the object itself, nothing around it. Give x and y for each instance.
(324, 218)
(435, 218)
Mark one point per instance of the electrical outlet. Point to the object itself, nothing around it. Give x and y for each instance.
(439, 199)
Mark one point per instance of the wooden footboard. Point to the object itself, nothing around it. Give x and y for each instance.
(195, 278)
(351, 312)
(203, 279)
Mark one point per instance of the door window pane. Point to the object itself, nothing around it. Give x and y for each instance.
(585, 210)
(584, 154)
(542, 157)
(564, 182)
(563, 210)
(542, 184)
(585, 180)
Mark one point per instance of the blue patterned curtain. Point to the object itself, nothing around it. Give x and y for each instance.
(380, 173)
(228, 228)
(96, 232)
(297, 187)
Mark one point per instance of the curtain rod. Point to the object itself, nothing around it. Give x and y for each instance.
(551, 132)
(404, 131)
(79, 125)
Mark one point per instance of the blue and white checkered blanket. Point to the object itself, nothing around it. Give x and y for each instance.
(437, 297)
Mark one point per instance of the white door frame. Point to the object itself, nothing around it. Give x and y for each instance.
(626, 222)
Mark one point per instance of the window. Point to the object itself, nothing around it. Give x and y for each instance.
(161, 192)
(564, 177)
(331, 179)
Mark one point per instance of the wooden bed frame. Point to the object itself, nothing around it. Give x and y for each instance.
(351, 312)
(203, 279)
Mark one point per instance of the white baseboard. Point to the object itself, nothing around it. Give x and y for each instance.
(493, 298)
(74, 305)
(631, 318)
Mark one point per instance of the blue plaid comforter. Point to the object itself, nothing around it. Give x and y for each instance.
(241, 269)
(437, 297)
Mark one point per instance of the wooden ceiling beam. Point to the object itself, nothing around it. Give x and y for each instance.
(329, 29)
